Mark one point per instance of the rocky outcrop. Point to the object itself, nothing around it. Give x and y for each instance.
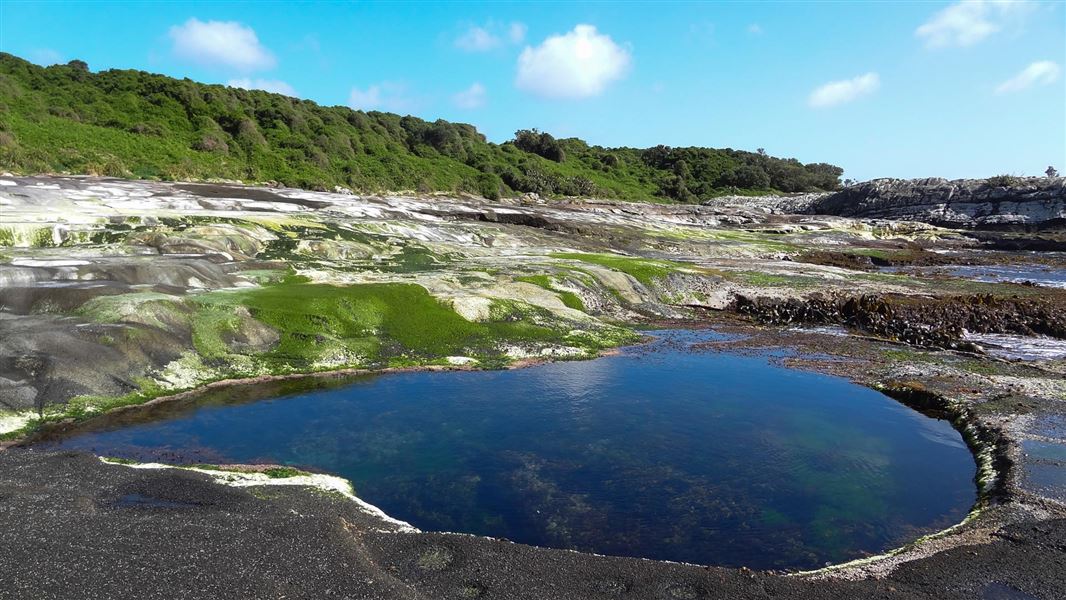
(915, 320)
(787, 205)
(996, 203)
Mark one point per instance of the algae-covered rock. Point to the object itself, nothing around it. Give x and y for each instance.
(227, 241)
(334, 249)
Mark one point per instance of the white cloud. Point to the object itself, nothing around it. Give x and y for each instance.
(490, 37)
(471, 97)
(755, 29)
(578, 64)
(516, 32)
(477, 39)
(387, 95)
(45, 57)
(1042, 72)
(224, 43)
(845, 90)
(267, 85)
(967, 22)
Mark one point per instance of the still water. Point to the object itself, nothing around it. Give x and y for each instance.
(664, 451)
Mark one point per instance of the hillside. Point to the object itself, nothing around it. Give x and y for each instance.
(127, 123)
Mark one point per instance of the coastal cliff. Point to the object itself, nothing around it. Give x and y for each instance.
(995, 203)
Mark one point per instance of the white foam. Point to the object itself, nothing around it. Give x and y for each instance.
(329, 483)
(1019, 347)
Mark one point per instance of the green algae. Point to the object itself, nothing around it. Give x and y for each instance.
(42, 238)
(372, 325)
(33, 237)
(569, 299)
(644, 270)
(761, 279)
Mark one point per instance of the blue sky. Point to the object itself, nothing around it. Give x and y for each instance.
(882, 89)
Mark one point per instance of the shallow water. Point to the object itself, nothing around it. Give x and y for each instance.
(1019, 347)
(1044, 275)
(661, 452)
(1053, 276)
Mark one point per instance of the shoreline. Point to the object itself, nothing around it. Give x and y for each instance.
(984, 444)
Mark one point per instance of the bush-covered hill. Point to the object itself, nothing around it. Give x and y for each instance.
(127, 123)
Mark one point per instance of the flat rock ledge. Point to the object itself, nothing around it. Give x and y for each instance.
(76, 527)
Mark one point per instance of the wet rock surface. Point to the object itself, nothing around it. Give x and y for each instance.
(116, 292)
(90, 529)
(921, 321)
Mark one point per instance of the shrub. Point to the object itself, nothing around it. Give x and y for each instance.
(1003, 181)
(490, 186)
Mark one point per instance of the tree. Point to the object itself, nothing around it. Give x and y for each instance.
(540, 143)
(1051, 172)
(748, 177)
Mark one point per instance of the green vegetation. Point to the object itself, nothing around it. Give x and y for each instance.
(644, 270)
(761, 279)
(1003, 181)
(127, 123)
(86, 406)
(312, 327)
(369, 320)
(284, 472)
(569, 299)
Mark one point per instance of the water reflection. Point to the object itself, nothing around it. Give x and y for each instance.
(661, 452)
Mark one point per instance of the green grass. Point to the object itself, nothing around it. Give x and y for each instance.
(644, 270)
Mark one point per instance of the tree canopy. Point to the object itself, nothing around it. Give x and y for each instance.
(126, 123)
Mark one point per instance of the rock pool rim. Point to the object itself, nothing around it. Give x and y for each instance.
(987, 444)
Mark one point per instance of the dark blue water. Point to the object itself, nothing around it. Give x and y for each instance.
(663, 452)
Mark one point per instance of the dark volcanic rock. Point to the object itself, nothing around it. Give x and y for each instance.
(74, 527)
(965, 203)
(921, 321)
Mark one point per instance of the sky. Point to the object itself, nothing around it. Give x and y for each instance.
(882, 89)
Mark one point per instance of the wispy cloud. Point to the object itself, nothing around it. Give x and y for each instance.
(472, 97)
(267, 85)
(1041, 72)
(577, 64)
(516, 32)
(479, 38)
(968, 22)
(221, 43)
(387, 95)
(846, 90)
(45, 57)
(755, 29)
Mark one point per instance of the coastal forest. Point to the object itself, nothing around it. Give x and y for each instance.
(127, 123)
